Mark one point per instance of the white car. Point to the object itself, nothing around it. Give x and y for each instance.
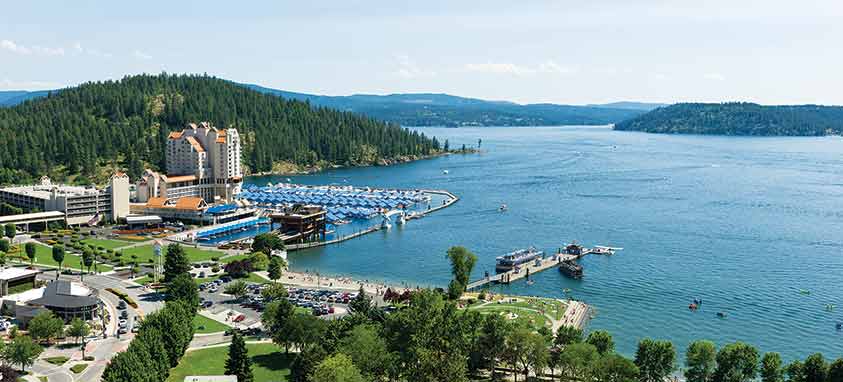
(122, 323)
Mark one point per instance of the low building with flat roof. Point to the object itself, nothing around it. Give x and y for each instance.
(15, 276)
(210, 378)
(80, 205)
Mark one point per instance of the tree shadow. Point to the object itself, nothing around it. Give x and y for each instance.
(274, 361)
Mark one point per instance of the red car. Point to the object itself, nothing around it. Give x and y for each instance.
(239, 318)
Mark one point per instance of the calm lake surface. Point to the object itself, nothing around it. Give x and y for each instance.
(747, 224)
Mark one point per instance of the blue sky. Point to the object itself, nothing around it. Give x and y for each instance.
(576, 52)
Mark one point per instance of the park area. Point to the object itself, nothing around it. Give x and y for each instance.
(533, 311)
(145, 253)
(269, 363)
(204, 325)
(44, 257)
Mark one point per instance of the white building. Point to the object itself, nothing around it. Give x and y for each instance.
(202, 161)
(81, 205)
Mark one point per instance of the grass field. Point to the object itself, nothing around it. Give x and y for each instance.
(233, 258)
(202, 325)
(527, 310)
(106, 243)
(44, 256)
(269, 363)
(144, 253)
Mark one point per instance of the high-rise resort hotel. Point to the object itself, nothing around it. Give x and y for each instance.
(202, 162)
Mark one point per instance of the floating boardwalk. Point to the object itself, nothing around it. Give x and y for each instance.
(525, 270)
(448, 202)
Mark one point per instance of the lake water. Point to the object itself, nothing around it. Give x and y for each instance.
(746, 224)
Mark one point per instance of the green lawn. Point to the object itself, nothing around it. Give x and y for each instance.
(58, 361)
(202, 325)
(269, 363)
(523, 316)
(144, 253)
(106, 243)
(235, 257)
(44, 256)
(79, 367)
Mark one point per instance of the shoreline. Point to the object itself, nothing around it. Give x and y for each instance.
(577, 313)
(380, 163)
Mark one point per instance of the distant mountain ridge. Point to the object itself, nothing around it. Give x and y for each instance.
(14, 97)
(432, 109)
(739, 118)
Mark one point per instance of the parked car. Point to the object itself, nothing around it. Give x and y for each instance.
(239, 318)
(124, 314)
(121, 305)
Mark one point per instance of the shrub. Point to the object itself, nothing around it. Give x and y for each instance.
(215, 269)
(124, 297)
(78, 368)
(215, 259)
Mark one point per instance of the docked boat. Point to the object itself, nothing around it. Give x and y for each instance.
(571, 269)
(515, 259)
(575, 249)
(602, 250)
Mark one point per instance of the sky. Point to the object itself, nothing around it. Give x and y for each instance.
(564, 51)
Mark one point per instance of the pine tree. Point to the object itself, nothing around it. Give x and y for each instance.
(238, 362)
(176, 262)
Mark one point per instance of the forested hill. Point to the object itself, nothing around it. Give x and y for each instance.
(119, 124)
(739, 119)
(429, 109)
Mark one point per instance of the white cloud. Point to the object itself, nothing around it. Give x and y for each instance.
(13, 47)
(141, 55)
(499, 68)
(546, 67)
(407, 68)
(714, 77)
(551, 66)
(78, 48)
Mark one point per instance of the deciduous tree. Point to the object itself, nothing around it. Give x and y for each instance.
(22, 351)
(700, 361)
(655, 360)
(771, 368)
(602, 341)
(336, 368)
(736, 362)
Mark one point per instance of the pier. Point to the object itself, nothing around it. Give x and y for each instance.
(528, 269)
(451, 199)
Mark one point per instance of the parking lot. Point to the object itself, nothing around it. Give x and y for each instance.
(245, 313)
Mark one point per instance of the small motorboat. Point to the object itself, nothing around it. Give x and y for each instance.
(840, 326)
(721, 315)
(692, 307)
(603, 250)
(566, 290)
(445, 172)
(804, 291)
(502, 208)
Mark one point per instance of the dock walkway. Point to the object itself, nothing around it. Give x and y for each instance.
(448, 202)
(526, 270)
